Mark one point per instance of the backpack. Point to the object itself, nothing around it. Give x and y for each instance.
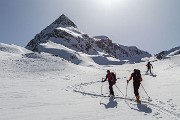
(136, 75)
(113, 75)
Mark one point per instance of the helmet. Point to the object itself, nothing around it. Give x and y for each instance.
(108, 71)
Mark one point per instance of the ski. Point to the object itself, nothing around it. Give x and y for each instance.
(129, 99)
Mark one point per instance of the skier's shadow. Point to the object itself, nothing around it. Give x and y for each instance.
(143, 108)
(153, 75)
(111, 104)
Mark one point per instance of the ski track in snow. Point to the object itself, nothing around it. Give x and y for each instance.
(145, 106)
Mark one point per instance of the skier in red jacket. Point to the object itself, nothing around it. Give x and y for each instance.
(136, 75)
(112, 80)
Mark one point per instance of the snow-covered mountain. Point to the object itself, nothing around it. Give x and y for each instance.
(63, 36)
(168, 53)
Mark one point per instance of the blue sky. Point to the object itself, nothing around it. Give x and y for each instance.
(151, 25)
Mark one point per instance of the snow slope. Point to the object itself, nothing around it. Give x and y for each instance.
(13, 49)
(45, 87)
(78, 58)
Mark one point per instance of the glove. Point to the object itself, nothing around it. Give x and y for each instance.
(103, 80)
(127, 81)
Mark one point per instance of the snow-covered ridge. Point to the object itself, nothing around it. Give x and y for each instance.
(168, 53)
(64, 32)
(13, 49)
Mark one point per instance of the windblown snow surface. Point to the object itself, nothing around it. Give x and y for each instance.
(44, 87)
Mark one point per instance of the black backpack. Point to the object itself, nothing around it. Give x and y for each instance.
(136, 75)
(113, 75)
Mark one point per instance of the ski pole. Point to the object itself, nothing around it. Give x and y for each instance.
(146, 92)
(126, 97)
(126, 89)
(101, 91)
(101, 87)
(119, 90)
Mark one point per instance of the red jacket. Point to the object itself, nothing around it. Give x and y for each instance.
(133, 77)
(109, 77)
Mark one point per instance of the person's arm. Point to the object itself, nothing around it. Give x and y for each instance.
(140, 78)
(130, 78)
(151, 66)
(105, 79)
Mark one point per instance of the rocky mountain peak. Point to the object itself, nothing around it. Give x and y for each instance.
(64, 21)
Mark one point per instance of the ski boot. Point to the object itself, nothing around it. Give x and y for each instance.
(138, 99)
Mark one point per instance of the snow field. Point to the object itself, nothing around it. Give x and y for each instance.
(45, 87)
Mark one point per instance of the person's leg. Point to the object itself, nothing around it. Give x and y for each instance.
(138, 97)
(111, 89)
(147, 70)
(136, 87)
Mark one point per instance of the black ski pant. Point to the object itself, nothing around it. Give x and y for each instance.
(136, 88)
(149, 69)
(111, 87)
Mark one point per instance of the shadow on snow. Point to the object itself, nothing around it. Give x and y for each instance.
(143, 108)
(113, 103)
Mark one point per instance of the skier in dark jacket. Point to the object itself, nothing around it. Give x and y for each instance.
(149, 66)
(136, 75)
(111, 81)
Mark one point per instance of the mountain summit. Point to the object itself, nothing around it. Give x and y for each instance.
(62, 38)
(64, 21)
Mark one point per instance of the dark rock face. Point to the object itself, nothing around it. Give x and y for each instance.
(65, 21)
(119, 51)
